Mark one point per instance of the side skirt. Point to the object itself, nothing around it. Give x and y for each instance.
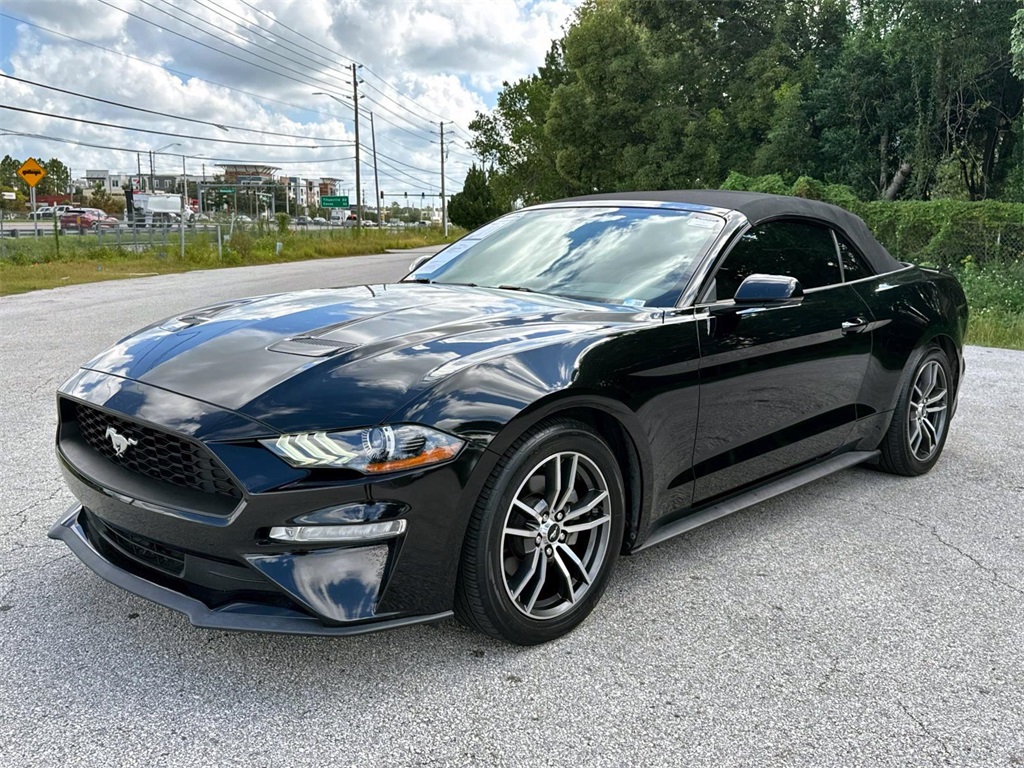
(756, 496)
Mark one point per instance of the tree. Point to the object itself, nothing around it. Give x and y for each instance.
(17, 205)
(894, 98)
(475, 205)
(1017, 43)
(99, 197)
(57, 180)
(514, 139)
(9, 178)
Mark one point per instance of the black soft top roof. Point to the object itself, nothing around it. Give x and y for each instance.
(758, 207)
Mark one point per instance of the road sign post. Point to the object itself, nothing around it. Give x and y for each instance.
(32, 173)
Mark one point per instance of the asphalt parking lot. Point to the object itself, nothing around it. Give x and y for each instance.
(863, 620)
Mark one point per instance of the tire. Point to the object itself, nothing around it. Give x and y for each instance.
(510, 585)
(920, 423)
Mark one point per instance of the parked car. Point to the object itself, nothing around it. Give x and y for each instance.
(87, 218)
(42, 212)
(488, 435)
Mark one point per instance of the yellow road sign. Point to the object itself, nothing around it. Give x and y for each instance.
(31, 172)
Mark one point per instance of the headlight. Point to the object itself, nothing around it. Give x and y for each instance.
(373, 450)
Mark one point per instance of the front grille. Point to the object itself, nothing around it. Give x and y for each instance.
(155, 454)
(150, 552)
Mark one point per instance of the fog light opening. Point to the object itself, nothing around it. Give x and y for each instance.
(342, 533)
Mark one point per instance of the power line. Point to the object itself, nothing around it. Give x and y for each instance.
(349, 58)
(205, 45)
(310, 80)
(258, 97)
(150, 130)
(169, 116)
(214, 160)
(414, 134)
(396, 125)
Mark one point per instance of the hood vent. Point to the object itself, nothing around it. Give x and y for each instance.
(311, 346)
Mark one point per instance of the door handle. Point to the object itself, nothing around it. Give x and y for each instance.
(854, 325)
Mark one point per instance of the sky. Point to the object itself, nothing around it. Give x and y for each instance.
(245, 66)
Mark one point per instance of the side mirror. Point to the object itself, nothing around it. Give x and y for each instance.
(768, 290)
(418, 262)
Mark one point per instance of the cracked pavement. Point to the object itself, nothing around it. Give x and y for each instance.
(862, 620)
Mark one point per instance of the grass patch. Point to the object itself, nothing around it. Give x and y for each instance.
(996, 329)
(995, 295)
(36, 264)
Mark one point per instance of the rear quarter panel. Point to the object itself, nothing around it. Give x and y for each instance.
(911, 307)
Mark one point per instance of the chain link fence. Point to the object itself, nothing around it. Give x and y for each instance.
(949, 235)
(206, 242)
(23, 244)
(954, 244)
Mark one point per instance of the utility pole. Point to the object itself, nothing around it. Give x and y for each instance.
(359, 186)
(444, 202)
(376, 184)
(138, 163)
(151, 185)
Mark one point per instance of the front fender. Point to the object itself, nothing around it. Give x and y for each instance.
(496, 402)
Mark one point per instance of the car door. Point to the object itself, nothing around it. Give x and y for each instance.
(778, 385)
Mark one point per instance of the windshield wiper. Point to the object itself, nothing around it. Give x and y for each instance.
(522, 288)
(424, 280)
(467, 285)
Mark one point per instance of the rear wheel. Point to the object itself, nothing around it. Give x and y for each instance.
(544, 536)
(920, 422)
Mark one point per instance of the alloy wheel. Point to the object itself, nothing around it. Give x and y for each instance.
(556, 535)
(927, 412)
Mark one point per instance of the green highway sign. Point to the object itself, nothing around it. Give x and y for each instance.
(226, 191)
(334, 201)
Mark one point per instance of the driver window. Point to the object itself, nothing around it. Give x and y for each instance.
(795, 248)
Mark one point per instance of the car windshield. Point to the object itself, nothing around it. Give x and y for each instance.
(616, 255)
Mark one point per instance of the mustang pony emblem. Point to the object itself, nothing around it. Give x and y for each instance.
(119, 441)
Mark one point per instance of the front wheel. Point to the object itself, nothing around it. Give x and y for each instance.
(544, 535)
(920, 422)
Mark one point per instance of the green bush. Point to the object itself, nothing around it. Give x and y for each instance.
(771, 184)
(809, 188)
(283, 224)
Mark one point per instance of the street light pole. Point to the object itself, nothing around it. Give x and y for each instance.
(444, 202)
(152, 183)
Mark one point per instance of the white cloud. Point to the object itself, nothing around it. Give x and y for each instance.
(449, 56)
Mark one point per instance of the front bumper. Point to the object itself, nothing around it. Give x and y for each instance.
(240, 615)
(209, 555)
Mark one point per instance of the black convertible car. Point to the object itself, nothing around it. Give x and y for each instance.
(571, 382)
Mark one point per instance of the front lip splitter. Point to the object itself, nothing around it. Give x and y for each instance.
(236, 616)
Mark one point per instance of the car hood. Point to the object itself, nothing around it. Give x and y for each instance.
(335, 358)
